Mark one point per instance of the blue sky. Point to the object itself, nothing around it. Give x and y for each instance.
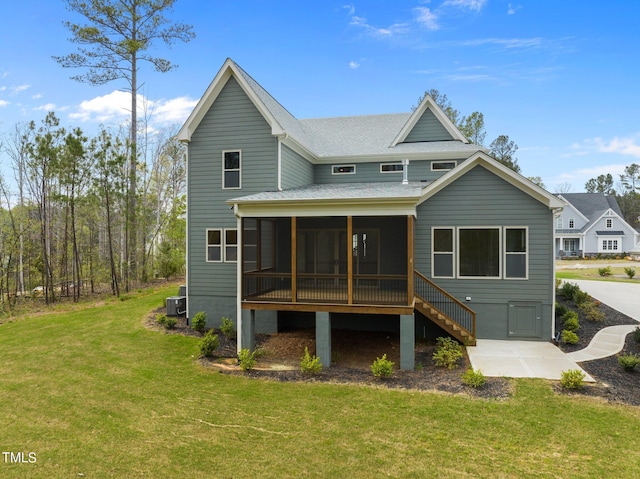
(561, 78)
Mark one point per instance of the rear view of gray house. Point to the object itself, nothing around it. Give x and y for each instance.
(391, 222)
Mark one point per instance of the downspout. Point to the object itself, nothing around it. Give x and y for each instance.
(556, 212)
(239, 259)
(186, 251)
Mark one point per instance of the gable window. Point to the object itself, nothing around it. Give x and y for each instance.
(343, 170)
(559, 223)
(571, 223)
(231, 168)
(443, 254)
(515, 253)
(443, 165)
(391, 168)
(479, 252)
(609, 222)
(231, 245)
(214, 245)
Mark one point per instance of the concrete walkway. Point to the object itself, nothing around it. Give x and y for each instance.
(520, 359)
(530, 359)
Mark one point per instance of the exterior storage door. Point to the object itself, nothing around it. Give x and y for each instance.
(525, 319)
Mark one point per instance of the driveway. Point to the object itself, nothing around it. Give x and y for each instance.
(624, 297)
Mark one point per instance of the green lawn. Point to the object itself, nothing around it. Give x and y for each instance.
(588, 269)
(94, 394)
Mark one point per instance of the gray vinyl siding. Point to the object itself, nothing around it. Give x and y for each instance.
(296, 171)
(419, 170)
(428, 128)
(480, 198)
(232, 123)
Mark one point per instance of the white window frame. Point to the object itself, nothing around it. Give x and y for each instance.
(609, 223)
(335, 169)
(232, 245)
(610, 244)
(225, 170)
(572, 223)
(208, 245)
(452, 252)
(559, 223)
(525, 253)
(382, 165)
(454, 162)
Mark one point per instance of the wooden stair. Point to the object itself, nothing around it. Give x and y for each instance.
(446, 323)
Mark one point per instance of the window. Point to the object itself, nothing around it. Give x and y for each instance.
(442, 247)
(610, 245)
(231, 164)
(231, 245)
(559, 223)
(343, 170)
(391, 168)
(214, 245)
(479, 252)
(609, 223)
(515, 259)
(443, 165)
(571, 223)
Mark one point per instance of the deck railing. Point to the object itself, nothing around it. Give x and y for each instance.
(371, 289)
(444, 303)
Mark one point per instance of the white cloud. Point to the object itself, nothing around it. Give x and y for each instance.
(37, 96)
(380, 32)
(350, 9)
(20, 88)
(354, 65)
(116, 107)
(3, 103)
(476, 5)
(629, 146)
(46, 107)
(427, 18)
(511, 9)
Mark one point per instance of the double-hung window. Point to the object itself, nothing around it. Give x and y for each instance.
(516, 253)
(231, 169)
(231, 245)
(214, 245)
(443, 254)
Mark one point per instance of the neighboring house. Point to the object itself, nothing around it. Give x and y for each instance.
(391, 222)
(592, 224)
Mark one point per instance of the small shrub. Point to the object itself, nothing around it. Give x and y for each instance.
(572, 379)
(209, 344)
(246, 359)
(593, 313)
(561, 310)
(569, 337)
(628, 361)
(448, 352)
(572, 324)
(161, 319)
(636, 335)
(630, 272)
(226, 328)
(580, 297)
(310, 365)
(382, 367)
(606, 271)
(474, 379)
(569, 315)
(170, 323)
(567, 290)
(199, 321)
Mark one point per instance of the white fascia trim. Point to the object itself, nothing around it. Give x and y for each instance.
(615, 215)
(428, 103)
(497, 168)
(393, 156)
(228, 70)
(314, 208)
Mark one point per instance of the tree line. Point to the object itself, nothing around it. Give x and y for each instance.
(626, 191)
(64, 226)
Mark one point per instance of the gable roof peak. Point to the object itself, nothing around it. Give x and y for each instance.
(428, 103)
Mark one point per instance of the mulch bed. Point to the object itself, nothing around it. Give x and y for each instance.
(354, 351)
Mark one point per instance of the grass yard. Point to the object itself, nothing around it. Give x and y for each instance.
(588, 269)
(94, 394)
